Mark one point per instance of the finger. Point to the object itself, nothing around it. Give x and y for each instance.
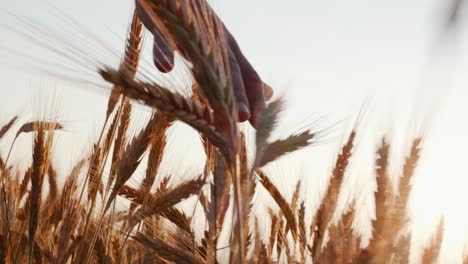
(242, 104)
(254, 91)
(163, 56)
(144, 15)
(267, 91)
(253, 84)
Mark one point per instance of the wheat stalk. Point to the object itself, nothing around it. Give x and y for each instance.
(280, 200)
(327, 207)
(7, 126)
(191, 113)
(169, 198)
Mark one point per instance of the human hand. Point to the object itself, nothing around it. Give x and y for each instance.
(249, 90)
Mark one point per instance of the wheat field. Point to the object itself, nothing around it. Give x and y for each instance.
(102, 214)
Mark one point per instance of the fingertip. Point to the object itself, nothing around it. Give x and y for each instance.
(163, 66)
(243, 113)
(256, 112)
(163, 55)
(254, 120)
(163, 59)
(255, 95)
(267, 91)
(242, 116)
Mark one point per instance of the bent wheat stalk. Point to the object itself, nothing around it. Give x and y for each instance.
(199, 117)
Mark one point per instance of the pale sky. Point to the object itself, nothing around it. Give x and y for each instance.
(328, 58)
